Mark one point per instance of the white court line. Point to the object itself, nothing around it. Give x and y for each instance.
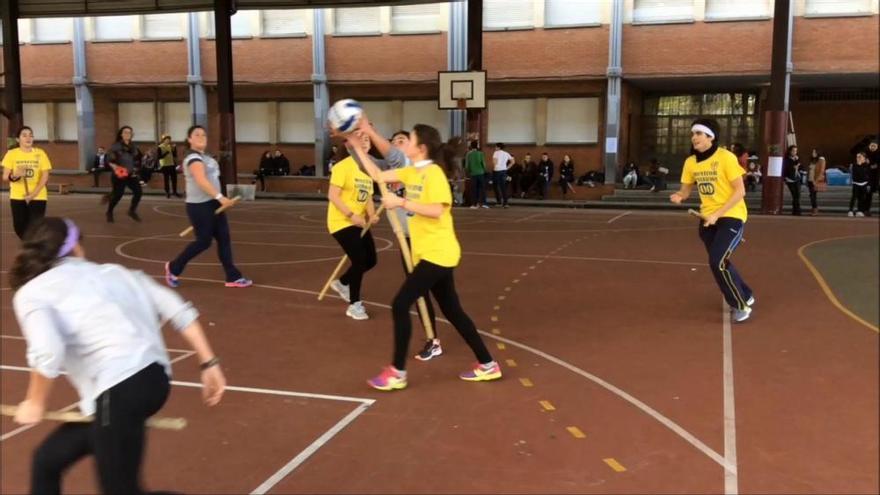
(529, 217)
(620, 216)
(311, 449)
(678, 430)
(731, 481)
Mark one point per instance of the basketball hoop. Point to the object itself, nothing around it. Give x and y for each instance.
(462, 104)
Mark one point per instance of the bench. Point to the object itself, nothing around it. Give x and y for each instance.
(59, 187)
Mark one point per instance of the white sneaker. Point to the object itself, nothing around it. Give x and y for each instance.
(859, 214)
(357, 311)
(341, 289)
(484, 206)
(474, 207)
(750, 302)
(850, 214)
(741, 315)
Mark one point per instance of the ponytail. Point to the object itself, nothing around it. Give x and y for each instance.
(41, 245)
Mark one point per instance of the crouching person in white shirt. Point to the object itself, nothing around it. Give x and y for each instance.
(100, 324)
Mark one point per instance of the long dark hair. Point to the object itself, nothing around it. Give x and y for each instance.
(119, 133)
(447, 154)
(39, 250)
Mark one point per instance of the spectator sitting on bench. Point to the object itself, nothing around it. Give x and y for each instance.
(99, 164)
(657, 176)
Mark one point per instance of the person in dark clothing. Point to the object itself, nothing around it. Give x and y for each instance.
(566, 174)
(99, 165)
(874, 172)
(791, 165)
(657, 176)
(265, 168)
(631, 176)
(545, 175)
(529, 175)
(126, 156)
(514, 176)
(280, 163)
(861, 186)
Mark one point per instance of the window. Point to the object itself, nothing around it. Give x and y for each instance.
(36, 117)
(114, 28)
(297, 122)
(505, 14)
(177, 120)
(141, 117)
(163, 26)
(837, 7)
(423, 18)
(512, 121)
(737, 9)
(572, 120)
(659, 11)
(666, 124)
(240, 24)
(66, 122)
(363, 20)
(381, 116)
(425, 112)
(283, 22)
(252, 122)
(572, 12)
(52, 30)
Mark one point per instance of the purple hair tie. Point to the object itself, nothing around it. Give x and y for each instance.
(71, 239)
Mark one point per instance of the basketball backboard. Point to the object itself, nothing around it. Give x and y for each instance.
(461, 89)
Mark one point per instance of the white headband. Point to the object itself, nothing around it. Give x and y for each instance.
(705, 130)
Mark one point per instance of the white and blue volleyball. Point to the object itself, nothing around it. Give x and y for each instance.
(344, 115)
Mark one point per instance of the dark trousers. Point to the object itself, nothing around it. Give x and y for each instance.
(361, 252)
(439, 281)
(795, 189)
(116, 437)
(96, 174)
(516, 184)
(119, 186)
(478, 189)
(23, 213)
(431, 315)
(814, 202)
(860, 199)
(499, 180)
(721, 240)
(207, 226)
(169, 177)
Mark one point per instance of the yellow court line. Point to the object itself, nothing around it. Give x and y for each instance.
(824, 285)
(496, 331)
(526, 382)
(511, 363)
(613, 464)
(575, 432)
(501, 346)
(493, 318)
(547, 405)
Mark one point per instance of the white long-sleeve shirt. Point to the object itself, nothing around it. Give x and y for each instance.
(98, 323)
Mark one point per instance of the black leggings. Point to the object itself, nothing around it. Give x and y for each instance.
(811, 187)
(439, 281)
(119, 186)
(860, 199)
(361, 251)
(207, 226)
(23, 213)
(169, 175)
(431, 316)
(795, 189)
(116, 437)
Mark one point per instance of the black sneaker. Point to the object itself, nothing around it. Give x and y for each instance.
(431, 350)
(134, 216)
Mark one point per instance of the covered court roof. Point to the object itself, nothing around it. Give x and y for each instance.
(66, 8)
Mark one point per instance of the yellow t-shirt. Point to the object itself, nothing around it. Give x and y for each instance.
(714, 177)
(433, 239)
(31, 167)
(357, 187)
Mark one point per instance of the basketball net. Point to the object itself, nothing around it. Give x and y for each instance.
(462, 104)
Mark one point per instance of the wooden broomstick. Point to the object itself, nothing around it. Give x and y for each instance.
(341, 263)
(218, 211)
(160, 423)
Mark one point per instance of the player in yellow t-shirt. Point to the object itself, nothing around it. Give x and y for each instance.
(26, 168)
(719, 181)
(435, 251)
(348, 212)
